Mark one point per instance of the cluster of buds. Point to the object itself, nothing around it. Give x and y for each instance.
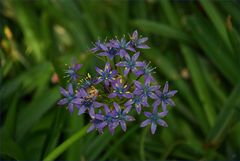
(123, 86)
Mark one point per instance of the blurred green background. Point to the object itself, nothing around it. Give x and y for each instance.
(194, 44)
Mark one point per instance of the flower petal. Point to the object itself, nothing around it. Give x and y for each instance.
(70, 89)
(145, 123)
(129, 118)
(142, 40)
(70, 108)
(126, 71)
(140, 64)
(82, 110)
(123, 125)
(64, 92)
(162, 123)
(82, 93)
(112, 95)
(97, 104)
(134, 35)
(63, 101)
(148, 114)
(153, 128)
(138, 84)
(171, 93)
(117, 107)
(165, 89)
(121, 64)
(143, 46)
(107, 67)
(128, 103)
(135, 56)
(170, 102)
(99, 70)
(91, 128)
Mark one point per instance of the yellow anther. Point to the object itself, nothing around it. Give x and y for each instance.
(89, 76)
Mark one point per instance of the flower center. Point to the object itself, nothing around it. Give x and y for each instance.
(112, 51)
(87, 103)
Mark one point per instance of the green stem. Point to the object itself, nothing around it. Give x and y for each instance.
(66, 144)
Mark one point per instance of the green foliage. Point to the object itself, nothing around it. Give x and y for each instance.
(195, 45)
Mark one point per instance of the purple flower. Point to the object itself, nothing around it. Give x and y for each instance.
(164, 97)
(71, 72)
(109, 119)
(106, 75)
(98, 46)
(86, 102)
(122, 46)
(138, 42)
(96, 124)
(69, 97)
(87, 82)
(145, 90)
(120, 89)
(154, 119)
(121, 116)
(109, 51)
(130, 64)
(138, 102)
(146, 70)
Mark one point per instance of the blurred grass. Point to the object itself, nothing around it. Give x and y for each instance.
(195, 45)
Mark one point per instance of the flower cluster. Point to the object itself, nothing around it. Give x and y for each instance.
(124, 85)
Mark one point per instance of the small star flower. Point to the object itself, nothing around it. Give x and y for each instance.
(154, 119)
(96, 124)
(147, 71)
(164, 97)
(87, 82)
(120, 89)
(145, 90)
(138, 102)
(109, 119)
(110, 51)
(69, 97)
(130, 64)
(122, 46)
(86, 102)
(138, 42)
(106, 75)
(98, 46)
(71, 72)
(121, 116)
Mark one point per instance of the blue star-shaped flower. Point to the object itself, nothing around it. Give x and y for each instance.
(130, 64)
(98, 46)
(86, 102)
(145, 90)
(164, 97)
(154, 119)
(121, 116)
(71, 72)
(106, 75)
(87, 82)
(109, 119)
(138, 101)
(138, 42)
(122, 46)
(120, 89)
(69, 97)
(147, 71)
